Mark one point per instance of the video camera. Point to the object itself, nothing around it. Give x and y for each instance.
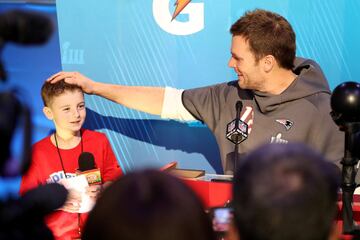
(25, 28)
(23, 218)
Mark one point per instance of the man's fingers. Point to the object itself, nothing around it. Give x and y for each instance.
(68, 76)
(54, 76)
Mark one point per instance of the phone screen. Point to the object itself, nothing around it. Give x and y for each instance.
(221, 219)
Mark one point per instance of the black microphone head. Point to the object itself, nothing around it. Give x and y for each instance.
(25, 27)
(239, 105)
(238, 108)
(86, 161)
(345, 103)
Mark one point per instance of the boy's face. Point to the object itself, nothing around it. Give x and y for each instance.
(67, 111)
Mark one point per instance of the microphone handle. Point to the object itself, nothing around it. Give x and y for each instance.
(236, 157)
(238, 107)
(238, 111)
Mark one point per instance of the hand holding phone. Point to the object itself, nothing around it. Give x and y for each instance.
(221, 219)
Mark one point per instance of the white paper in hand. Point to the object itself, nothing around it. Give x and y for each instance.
(79, 184)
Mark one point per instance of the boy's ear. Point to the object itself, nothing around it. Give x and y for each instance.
(48, 113)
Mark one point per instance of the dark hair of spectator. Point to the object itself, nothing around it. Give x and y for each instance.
(285, 191)
(149, 205)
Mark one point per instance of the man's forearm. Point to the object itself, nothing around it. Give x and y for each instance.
(146, 99)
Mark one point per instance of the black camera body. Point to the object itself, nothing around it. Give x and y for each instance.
(12, 113)
(345, 104)
(25, 28)
(23, 218)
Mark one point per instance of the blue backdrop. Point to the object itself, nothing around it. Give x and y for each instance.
(136, 43)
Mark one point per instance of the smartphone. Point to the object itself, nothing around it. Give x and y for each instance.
(221, 218)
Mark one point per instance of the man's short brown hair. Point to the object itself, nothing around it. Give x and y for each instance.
(267, 33)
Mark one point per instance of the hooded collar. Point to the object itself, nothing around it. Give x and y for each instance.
(309, 81)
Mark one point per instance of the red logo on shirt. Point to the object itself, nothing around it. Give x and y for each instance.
(248, 117)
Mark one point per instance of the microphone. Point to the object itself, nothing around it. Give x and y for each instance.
(25, 27)
(88, 168)
(34, 204)
(237, 130)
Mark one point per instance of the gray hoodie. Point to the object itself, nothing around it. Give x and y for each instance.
(299, 114)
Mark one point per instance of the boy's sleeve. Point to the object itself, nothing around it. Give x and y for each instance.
(111, 168)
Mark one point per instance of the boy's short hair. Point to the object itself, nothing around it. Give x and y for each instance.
(51, 90)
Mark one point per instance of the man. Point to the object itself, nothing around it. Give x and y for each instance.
(285, 192)
(284, 98)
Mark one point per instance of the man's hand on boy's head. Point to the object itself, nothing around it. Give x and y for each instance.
(73, 202)
(73, 78)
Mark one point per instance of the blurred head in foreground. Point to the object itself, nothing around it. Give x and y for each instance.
(148, 205)
(285, 191)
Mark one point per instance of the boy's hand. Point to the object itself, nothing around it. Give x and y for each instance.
(93, 191)
(76, 78)
(73, 202)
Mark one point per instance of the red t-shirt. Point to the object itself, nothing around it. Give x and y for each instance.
(46, 167)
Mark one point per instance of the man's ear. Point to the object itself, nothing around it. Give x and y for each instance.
(233, 233)
(268, 63)
(48, 113)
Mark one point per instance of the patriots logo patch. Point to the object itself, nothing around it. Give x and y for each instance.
(286, 123)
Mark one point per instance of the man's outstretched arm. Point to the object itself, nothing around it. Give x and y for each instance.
(146, 99)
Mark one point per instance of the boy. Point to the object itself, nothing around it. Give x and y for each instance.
(56, 157)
